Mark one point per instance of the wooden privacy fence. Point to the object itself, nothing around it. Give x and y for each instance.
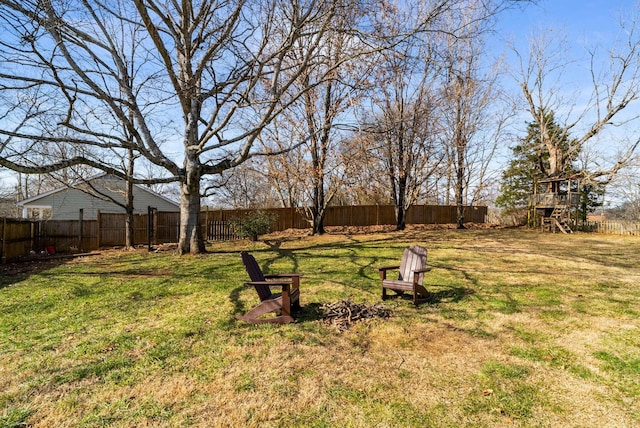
(66, 235)
(612, 227)
(219, 231)
(19, 237)
(16, 237)
(355, 215)
(155, 227)
(109, 230)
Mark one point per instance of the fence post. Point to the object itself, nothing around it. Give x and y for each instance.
(81, 227)
(150, 223)
(34, 235)
(3, 248)
(99, 228)
(155, 226)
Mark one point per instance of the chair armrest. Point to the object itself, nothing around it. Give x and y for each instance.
(286, 285)
(382, 270)
(283, 275)
(294, 278)
(417, 272)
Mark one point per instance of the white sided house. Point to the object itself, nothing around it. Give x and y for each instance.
(92, 197)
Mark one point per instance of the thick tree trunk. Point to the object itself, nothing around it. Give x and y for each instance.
(401, 213)
(318, 210)
(460, 216)
(318, 157)
(191, 240)
(401, 218)
(556, 163)
(129, 229)
(129, 241)
(318, 224)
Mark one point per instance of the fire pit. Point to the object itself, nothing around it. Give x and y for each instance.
(344, 314)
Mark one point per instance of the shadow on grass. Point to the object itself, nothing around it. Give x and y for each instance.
(294, 253)
(309, 312)
(234, 297)
(448, 294)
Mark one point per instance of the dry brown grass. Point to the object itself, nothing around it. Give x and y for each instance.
(524, 329)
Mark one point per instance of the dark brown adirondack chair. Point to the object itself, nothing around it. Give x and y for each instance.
(411, 274)
(280, 303)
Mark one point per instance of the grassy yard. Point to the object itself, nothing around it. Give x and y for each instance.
(523, 329)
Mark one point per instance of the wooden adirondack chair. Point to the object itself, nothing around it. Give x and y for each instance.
(411, 274)
(280, 303)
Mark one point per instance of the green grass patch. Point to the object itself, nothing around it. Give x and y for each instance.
(504, 392)
(496, 369)
(520, 329)
(623, 371)
(529, 336)
(554, 356)
(14, 417)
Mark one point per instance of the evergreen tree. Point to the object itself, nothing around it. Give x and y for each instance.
(530, 163)
(591, 197)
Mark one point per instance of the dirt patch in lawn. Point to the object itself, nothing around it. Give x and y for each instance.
(37, 263)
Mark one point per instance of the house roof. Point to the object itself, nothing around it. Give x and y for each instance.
(34, 199)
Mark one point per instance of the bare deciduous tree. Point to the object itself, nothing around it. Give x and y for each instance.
(215, 73)
(405, 127)
(468, 106)
(614, 88)
(418, 103)
(403, 124)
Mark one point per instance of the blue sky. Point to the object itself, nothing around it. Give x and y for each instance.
(583, 23)
(580, 19)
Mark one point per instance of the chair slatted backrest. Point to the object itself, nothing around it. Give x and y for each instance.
(413, 258)
(255, 273)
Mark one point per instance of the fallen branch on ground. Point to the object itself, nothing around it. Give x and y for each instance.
(344, 314)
